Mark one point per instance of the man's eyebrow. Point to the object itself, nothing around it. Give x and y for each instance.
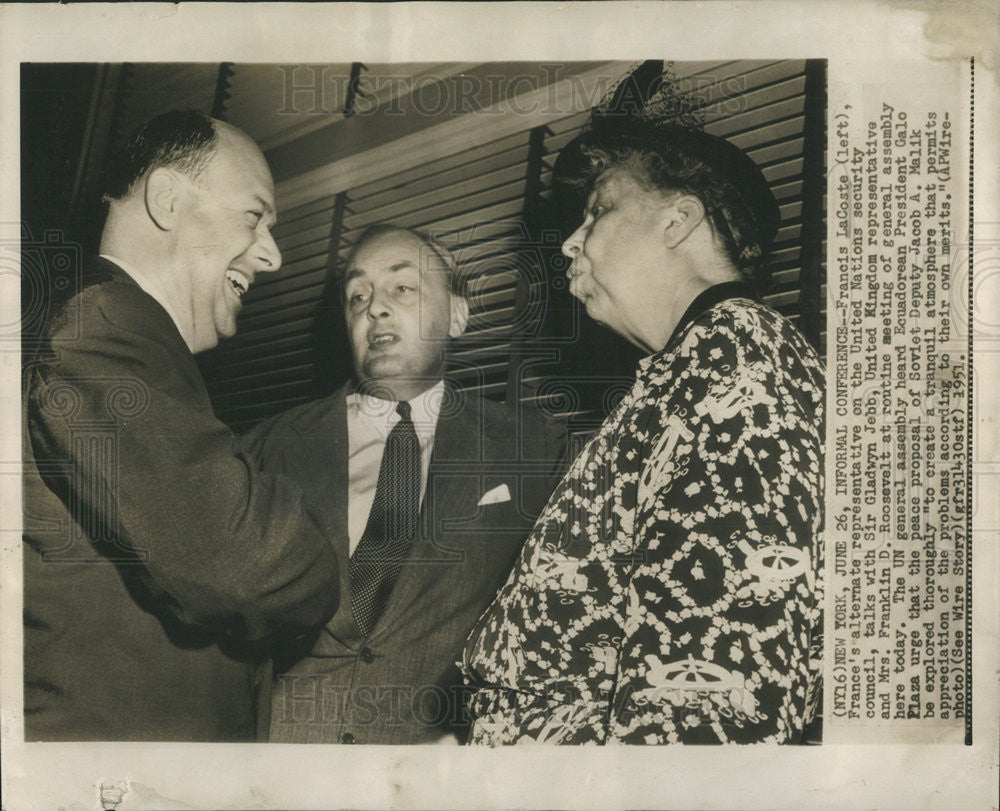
(353, 273)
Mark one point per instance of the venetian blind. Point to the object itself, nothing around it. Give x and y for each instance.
(475, 201)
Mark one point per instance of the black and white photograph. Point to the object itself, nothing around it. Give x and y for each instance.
(492, 424)
(721, 455)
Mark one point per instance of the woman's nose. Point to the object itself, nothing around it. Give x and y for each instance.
(572, 246)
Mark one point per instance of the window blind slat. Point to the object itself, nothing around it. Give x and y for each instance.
(473, 200)
(492, 170)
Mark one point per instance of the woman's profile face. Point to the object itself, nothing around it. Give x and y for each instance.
(618, 252)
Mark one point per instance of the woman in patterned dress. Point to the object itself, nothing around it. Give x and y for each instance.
(671, 590)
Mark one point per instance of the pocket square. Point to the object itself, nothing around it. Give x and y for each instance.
(496, 495)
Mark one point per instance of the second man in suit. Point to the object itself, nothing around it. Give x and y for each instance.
(428, 494)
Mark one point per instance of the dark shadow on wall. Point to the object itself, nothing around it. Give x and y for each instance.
(58, 229)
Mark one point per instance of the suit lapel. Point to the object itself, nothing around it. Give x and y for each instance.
(333, 461)
(459, 452)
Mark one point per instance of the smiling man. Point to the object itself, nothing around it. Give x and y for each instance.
(153, 552)
(193, 230)
(426, 491)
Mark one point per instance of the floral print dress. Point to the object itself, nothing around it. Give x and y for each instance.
(671, 590)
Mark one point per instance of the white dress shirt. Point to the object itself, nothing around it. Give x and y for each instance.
(369, 421)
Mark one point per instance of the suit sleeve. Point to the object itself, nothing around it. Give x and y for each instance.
(255, 444)
(721, 607)
(124, 434)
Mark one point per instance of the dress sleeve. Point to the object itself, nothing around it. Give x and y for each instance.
(725, 594)
(123, 433)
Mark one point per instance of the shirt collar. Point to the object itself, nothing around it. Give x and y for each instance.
(424, 408)
(147, 287)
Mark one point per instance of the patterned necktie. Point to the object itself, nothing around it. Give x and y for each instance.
(392, 523)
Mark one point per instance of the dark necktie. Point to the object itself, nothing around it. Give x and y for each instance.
(392, 523)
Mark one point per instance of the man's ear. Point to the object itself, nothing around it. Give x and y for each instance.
(162, 198)
(681, 216)
(459, 315)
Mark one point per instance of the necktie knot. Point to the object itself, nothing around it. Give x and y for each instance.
(403, 409)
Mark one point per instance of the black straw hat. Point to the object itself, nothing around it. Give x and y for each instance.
(727, 161)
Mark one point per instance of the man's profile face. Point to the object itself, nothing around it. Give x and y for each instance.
(400, 312)
(224, 238)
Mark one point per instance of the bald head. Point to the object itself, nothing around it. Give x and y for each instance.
(234, 139)
(181, 140)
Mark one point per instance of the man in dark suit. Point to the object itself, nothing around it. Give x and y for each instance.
(429, 540)
(153, 552)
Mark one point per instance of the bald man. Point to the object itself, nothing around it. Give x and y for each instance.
(156, 562)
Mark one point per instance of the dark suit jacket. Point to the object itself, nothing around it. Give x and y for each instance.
(401, 685)
(151, 549)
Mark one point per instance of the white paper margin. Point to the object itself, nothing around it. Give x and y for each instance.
(271, 776)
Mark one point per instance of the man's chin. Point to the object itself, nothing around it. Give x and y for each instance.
(204, 345)
(382, 367)
(212, 340)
